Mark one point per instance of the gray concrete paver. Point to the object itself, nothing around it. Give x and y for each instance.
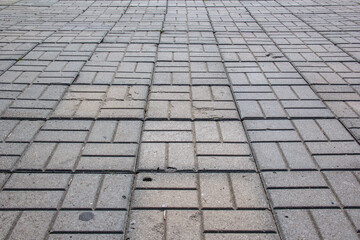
(249, 220)
(103, 221)
(32, 224)
(179, 119)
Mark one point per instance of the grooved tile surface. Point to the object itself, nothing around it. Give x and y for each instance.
(179, 119)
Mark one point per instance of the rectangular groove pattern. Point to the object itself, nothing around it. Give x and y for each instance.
(179, 119)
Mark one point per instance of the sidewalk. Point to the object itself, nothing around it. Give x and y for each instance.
(174, 119)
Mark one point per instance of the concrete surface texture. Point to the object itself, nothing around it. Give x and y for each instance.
(180, 119)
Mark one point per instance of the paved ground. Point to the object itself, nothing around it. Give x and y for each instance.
(179, 119)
